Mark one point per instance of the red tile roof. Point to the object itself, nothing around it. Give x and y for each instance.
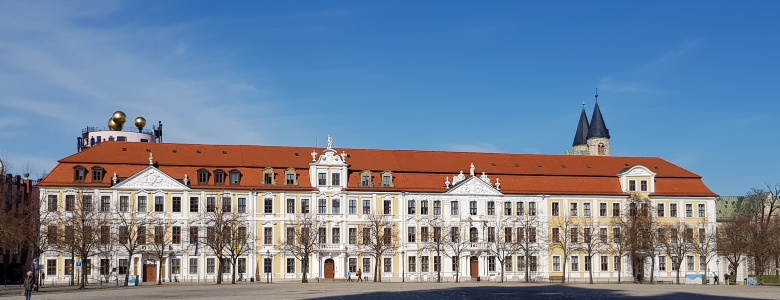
(413, 171)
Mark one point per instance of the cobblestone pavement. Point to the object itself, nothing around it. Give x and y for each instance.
(406, 291)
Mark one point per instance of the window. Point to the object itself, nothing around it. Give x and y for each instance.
(556, 263)
(531, 208)
(643, 185)
(305, 206)
(227, 204)
(367, 265)
(68, 267)
(616, 209)
(410, 207)
(335, 206)
(556, 235)
(159, 204)
(105, 203)
(193, 234)
(86, 202)
(454, 234)
(436, 208)
(290, 265)
(176, 204)
(520, 209)
(69, 235)
(586, 209)
(290, 206)
(322, 208)
(203, 177)
(424, 207)
(51, 235)
(412, 263)
(574, 234)
(366, 206)
(602, 209)
(352, 206)
(353, 265)
(689, 210)
(387, 179)
(603, 235)
(352, 236)
(616, 263)
(97, 174)
(411, 235)
(424, 263)
(176, 235)
(532, 234)
(289, 179)
(575, 263)
(219, 177)
(335, 235)
(386, 207)
(52, 203)
(290, 234)
(267, 262)
(473, 208)
(454, 208)
(491, 234)
(701, 210)
(660, 209)
(673, 210)
(194, 202)
(141, 204)
(587, 263)
(105, 235)
(587, 234)
(322, 179)
(473, 235)
(424, 234)
(322, 235)
(556, 209)
(242, 205)
(365, 179)
(604, 263)
(573, 209)
(79, 173)
(532, 263)
(388, 264)
(193, 266)
(675, 265)
(211, 265)
(702, 263)
(632, 185)
(455, 263)
(268, 235)
(335, 179)
(508, 235)
(491, 208)
(141, 235)
(159, 235)
(689, 235)
(175, 266)
(702, 235)
(690, 263)
(235, 177)
(507, 264)
(507, 208)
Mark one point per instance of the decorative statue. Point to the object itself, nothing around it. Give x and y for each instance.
(186, 180)
(330, 142)
(498, 184)
(447, 183)
(313, 155)
(471, 170)
(151, 159)
(114, 179)
(343, 156)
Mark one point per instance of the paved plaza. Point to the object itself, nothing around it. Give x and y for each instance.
(406, 291)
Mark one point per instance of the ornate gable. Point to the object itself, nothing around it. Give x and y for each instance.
(150, 179)
(473, 186)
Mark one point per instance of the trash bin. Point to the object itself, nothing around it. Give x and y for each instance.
(136, 280)
(479, 279)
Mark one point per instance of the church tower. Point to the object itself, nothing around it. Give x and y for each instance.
(598, 134)
(581, 136)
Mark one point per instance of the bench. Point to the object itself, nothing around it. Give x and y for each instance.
(664, 281)
(557, 279)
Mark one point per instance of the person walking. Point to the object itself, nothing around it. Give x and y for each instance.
(716, 279)
(349, 276)
(43, 278)
(360, 275)
(726, 277)
(28, 285)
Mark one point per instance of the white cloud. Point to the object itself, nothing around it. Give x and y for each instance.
(671, 55)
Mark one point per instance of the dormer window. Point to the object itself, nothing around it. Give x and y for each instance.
(322, 179)
(289, 177)
(203, 177)
(219, 177)
(79, 173)
(632, 185)
(97, 174)
(268, 176)
(365, 179)
(336, 179)
(643, 185)
(235, 177)
(387, 179)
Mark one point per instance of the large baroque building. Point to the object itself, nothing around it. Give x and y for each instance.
(484, 197)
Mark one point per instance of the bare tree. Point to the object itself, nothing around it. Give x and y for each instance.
(435, 243)
(216, 217)
(302, 240)
(733, 241)
(455, 244)
(760, 207)
(131, 232)
(83, 229)
(564, 236)
(501, 245)
(637, 225)
(241, 240)
(161, 245)
(619, 245)
(529, 232)
(676, 240)
(379, 236)
(705, 245)
(590, 243)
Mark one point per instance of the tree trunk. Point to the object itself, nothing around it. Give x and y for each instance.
(159, 271)
(652, 269)
(305, 269)
(234, 270)
(565, 256)
(376, 267)
(527, 271)
(620, 269)
(219, 269)
(590, 270)
(72, 268)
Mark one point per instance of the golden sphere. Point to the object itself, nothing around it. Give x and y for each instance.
(119, 117)
(112, 125)
(140, 122)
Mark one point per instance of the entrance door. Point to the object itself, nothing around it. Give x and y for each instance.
(150, 274)
(329, 272)
(474, 267)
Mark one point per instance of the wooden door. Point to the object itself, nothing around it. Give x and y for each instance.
(329, 268)
(150, 273)
(474, 267)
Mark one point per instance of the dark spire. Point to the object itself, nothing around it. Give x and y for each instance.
(597, 127)
(581, 136)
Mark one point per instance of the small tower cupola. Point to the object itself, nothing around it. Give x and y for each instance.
(581, 136)
(598, 134)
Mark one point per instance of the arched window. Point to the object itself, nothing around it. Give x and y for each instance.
(602, 149)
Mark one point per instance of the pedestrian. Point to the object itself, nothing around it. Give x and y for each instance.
(726, 277)
(28, 285)
(43, 277)
(349, 276)
(360, 275)
(716, 278)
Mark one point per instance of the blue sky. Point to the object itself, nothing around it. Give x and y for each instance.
(696, 82)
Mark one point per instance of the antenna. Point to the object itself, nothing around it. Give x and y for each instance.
(597, 95)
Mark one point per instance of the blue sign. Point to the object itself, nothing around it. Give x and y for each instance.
(78, 265)
(752, 281)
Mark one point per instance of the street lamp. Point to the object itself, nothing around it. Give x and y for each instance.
(403, 267)
(717, 266)
(267, 256)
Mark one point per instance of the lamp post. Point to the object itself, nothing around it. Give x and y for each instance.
(267, 256)
(717, 266)
(403, 267)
